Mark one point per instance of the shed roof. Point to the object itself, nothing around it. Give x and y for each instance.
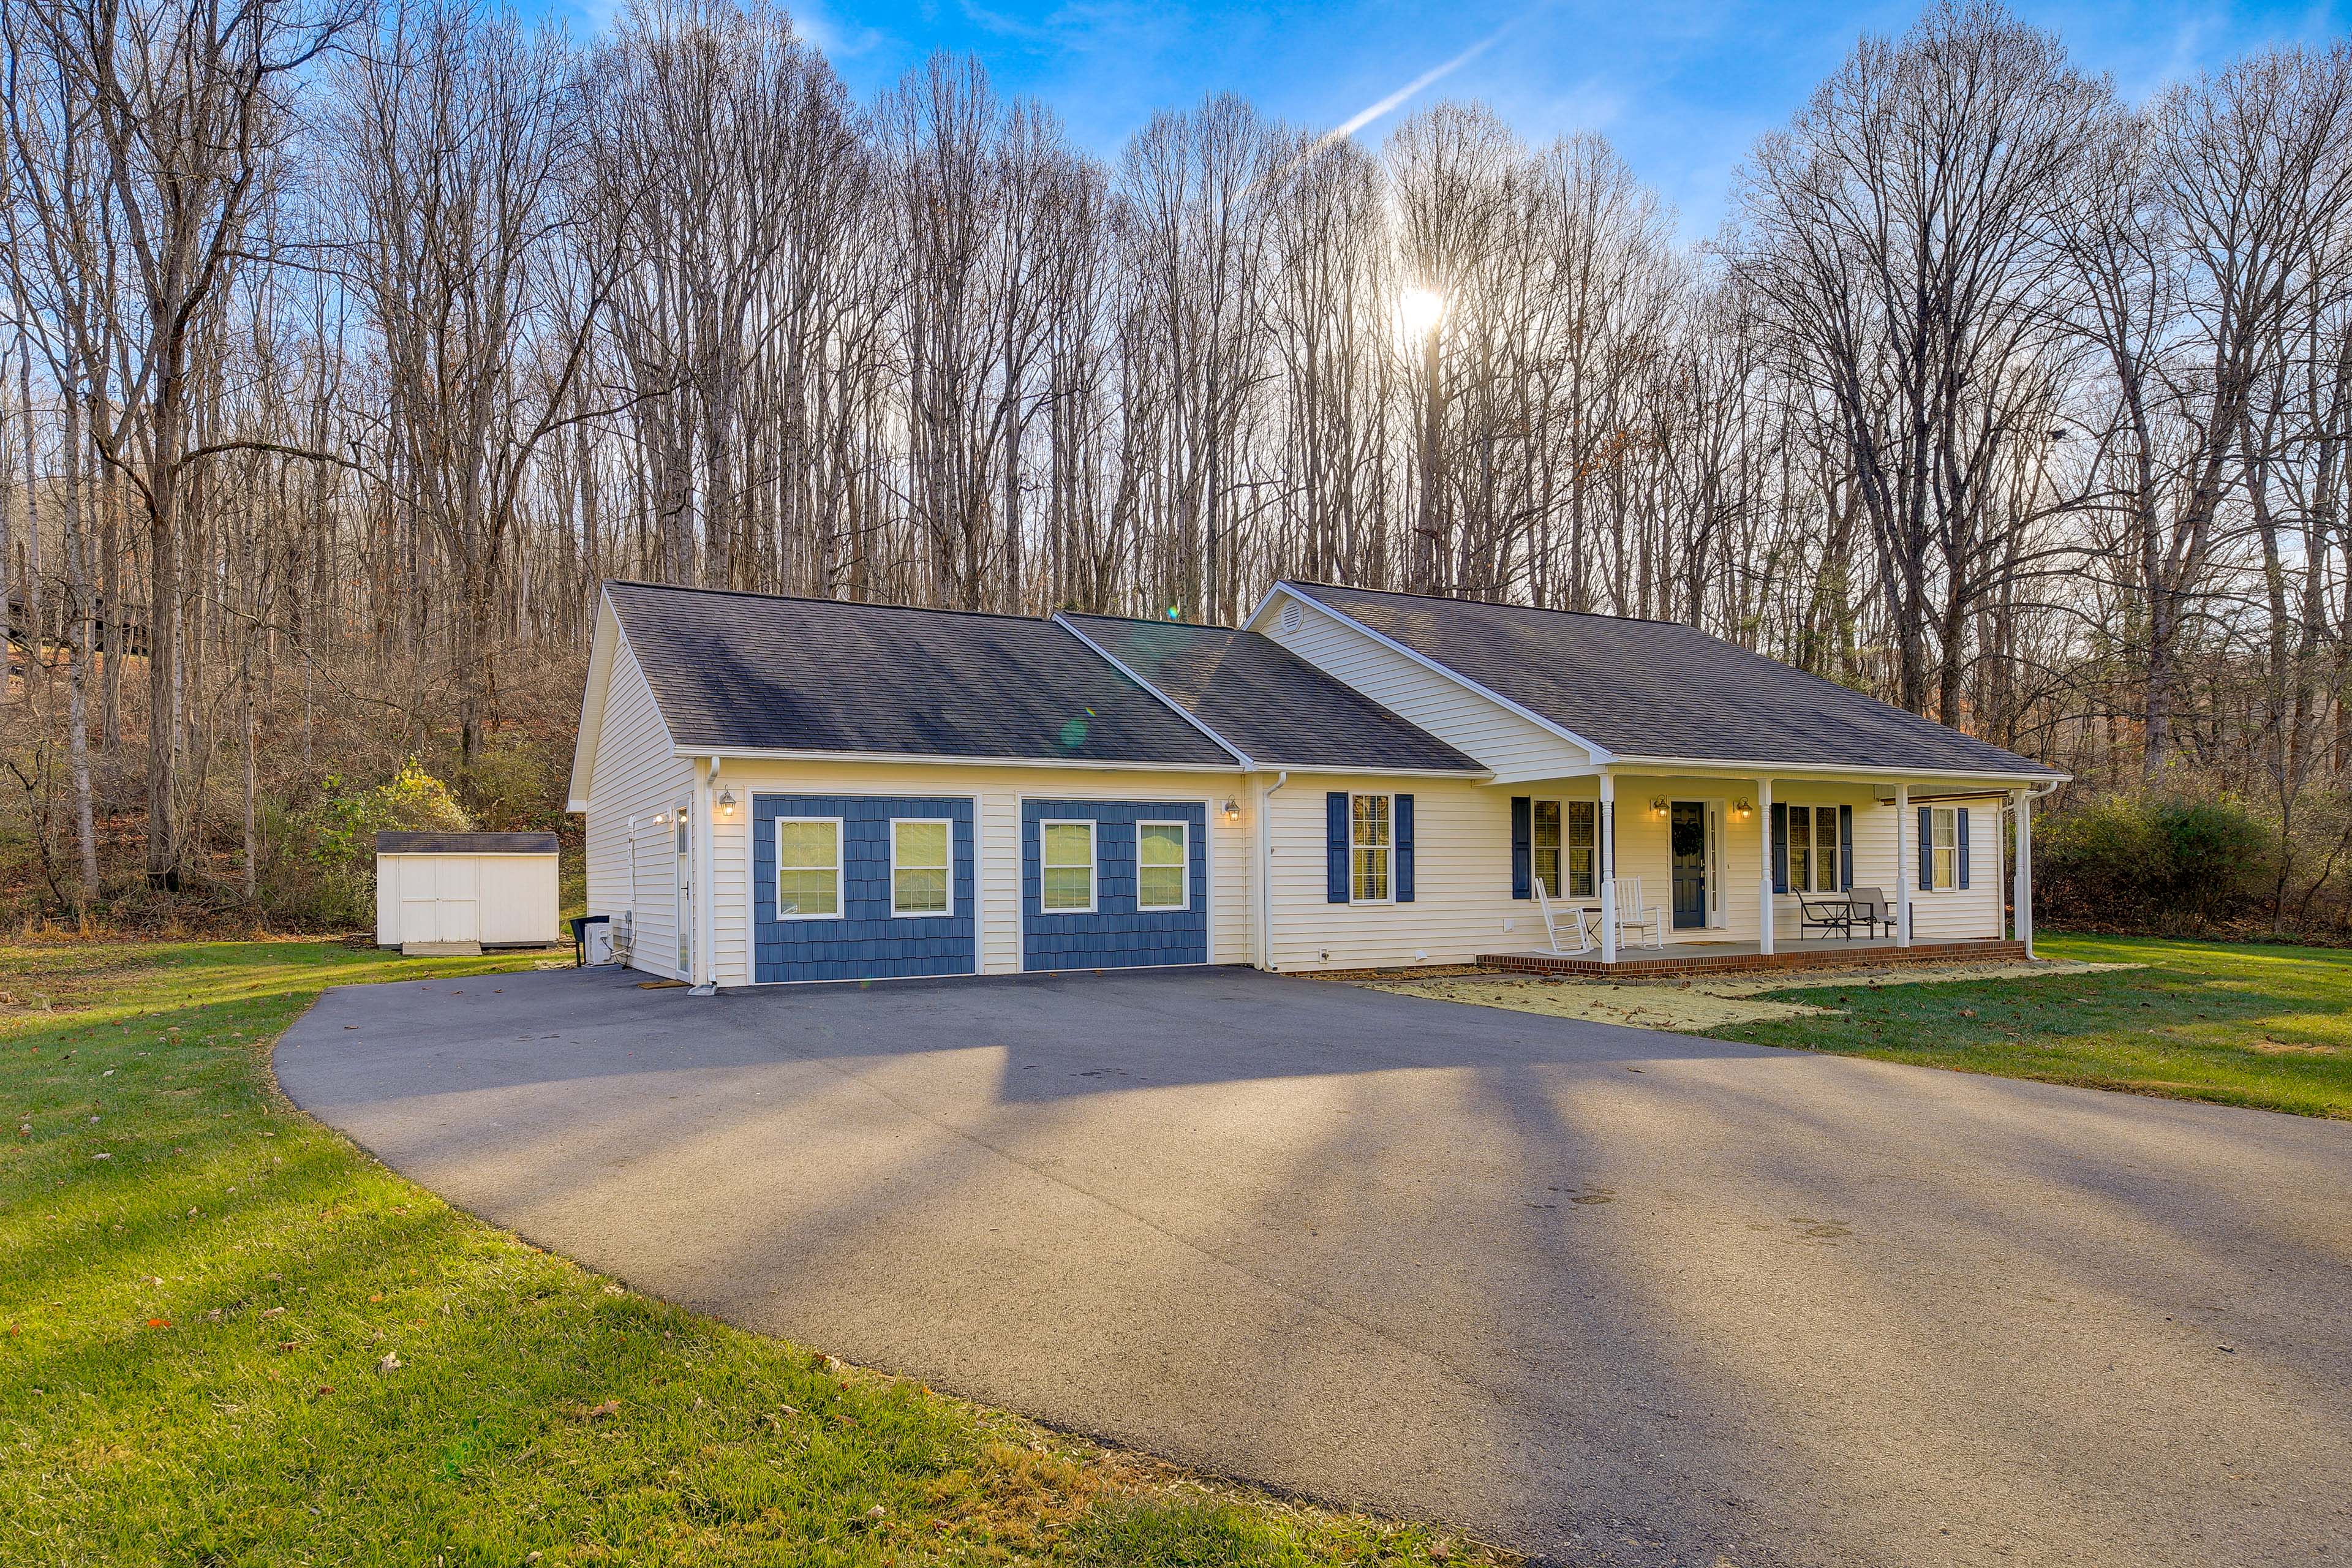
(1265, 701)
(736, 671)
(391, 842)
(1659, 688)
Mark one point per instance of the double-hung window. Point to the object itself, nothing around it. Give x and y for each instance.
(808, 868)
(1371, 848)
(1944, 847)
(920, 882)
(1565, 834)
(1815, 850)
(1066, 867)
(1163, 866)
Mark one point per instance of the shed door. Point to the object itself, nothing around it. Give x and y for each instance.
(1114, 884)
(456, 899)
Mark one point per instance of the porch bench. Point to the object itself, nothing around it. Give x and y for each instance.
(1825, 914)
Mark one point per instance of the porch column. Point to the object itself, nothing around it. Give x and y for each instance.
(1604, 852)
(1764, 887)
(1902, 866)
(2024, 894)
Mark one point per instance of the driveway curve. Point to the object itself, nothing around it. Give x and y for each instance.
(1605, 1295)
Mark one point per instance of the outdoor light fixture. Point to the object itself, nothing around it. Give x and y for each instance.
(1232, 811)
(659, 819)
(1658, 805)
(726, 802)
(1741, 809)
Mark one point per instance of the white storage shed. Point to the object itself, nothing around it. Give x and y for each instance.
(494, 889)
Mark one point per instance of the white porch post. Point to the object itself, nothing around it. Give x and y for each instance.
(1604, 851)
(1902, 866)
(2024, 894)
(1764, 884)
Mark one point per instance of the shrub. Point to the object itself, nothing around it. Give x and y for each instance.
(2139, 863)
(338, 839)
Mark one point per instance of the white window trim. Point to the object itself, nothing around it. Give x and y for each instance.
(1094, 863)
(840, 867)
(1935, 814)
(1184, 865)
(896, 912)
(1389, 850)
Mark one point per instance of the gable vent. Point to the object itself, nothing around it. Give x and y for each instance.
(1290, 617)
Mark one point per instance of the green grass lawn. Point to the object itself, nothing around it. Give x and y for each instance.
(228, 1336)
(2241, 1024)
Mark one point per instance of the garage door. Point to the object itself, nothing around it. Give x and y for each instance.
(1111, 884)
(860, 887)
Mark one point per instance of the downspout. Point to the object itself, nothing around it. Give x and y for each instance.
(1265, 870)
(706, 864)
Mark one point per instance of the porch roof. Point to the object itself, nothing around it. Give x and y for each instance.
(1659, 689)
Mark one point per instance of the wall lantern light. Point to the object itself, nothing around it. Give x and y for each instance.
(1741, 809)
(727, 803)
(1658, 806)
(1232, 811)
(660, 817)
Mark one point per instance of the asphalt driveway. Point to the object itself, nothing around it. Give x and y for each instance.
(1603, 1294)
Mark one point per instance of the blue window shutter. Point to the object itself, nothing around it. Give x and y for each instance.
(1926, 848)
(1523, 847)
(1963, 846)
(1845, 848)
(1404, 849)
(1779, 847)
(1335, 846)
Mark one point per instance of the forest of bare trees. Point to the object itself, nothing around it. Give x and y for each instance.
(348, 344)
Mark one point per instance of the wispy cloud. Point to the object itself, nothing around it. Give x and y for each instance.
(1419, 84)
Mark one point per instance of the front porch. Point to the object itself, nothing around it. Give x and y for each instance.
(1706, 957)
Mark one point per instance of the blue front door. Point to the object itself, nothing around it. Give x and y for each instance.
(841, 917)
(1688, 835)
(1113, 884)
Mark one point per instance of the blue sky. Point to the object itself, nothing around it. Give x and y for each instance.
(1681, 87)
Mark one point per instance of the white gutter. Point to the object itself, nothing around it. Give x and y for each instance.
(1265, 870)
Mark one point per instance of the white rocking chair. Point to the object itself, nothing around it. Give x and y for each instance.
(1575, 918)
(1635, 917)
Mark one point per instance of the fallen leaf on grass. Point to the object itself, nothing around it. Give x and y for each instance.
(390, 1362)
(159, 1323)
(595, 1412)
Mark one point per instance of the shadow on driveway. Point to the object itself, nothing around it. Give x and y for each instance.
(1604, 1294)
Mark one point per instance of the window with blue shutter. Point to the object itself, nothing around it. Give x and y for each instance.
(1845, 848)
(1779, 847)
(1926, 848)
(1404, 850)
(1523, 847)
(1963, 836)
(1335, 846)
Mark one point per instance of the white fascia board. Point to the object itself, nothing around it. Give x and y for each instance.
(593, 694)
(1167, 702)
(944, 759)
(1599, 754)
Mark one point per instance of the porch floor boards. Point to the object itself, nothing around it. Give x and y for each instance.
(1727, 957)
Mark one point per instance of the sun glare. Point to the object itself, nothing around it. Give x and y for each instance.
(1419, 311)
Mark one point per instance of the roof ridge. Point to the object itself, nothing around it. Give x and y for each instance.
(1496, 604)
(840, 603)
(1151, 621)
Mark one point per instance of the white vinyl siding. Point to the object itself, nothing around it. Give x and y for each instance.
(633, 774)
(1485, 730)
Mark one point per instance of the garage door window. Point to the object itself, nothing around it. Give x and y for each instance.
(1163, 866)
(808, 868)
(1068, 850)
(919, 867)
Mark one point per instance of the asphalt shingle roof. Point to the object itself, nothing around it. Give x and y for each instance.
(1265, 701)
(761, 672)
(1656, 688)
(391, 842)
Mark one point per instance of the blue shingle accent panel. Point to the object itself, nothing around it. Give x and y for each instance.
(1117, 935)
(866, 943)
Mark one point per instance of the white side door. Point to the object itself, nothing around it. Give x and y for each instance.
(685, 886)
